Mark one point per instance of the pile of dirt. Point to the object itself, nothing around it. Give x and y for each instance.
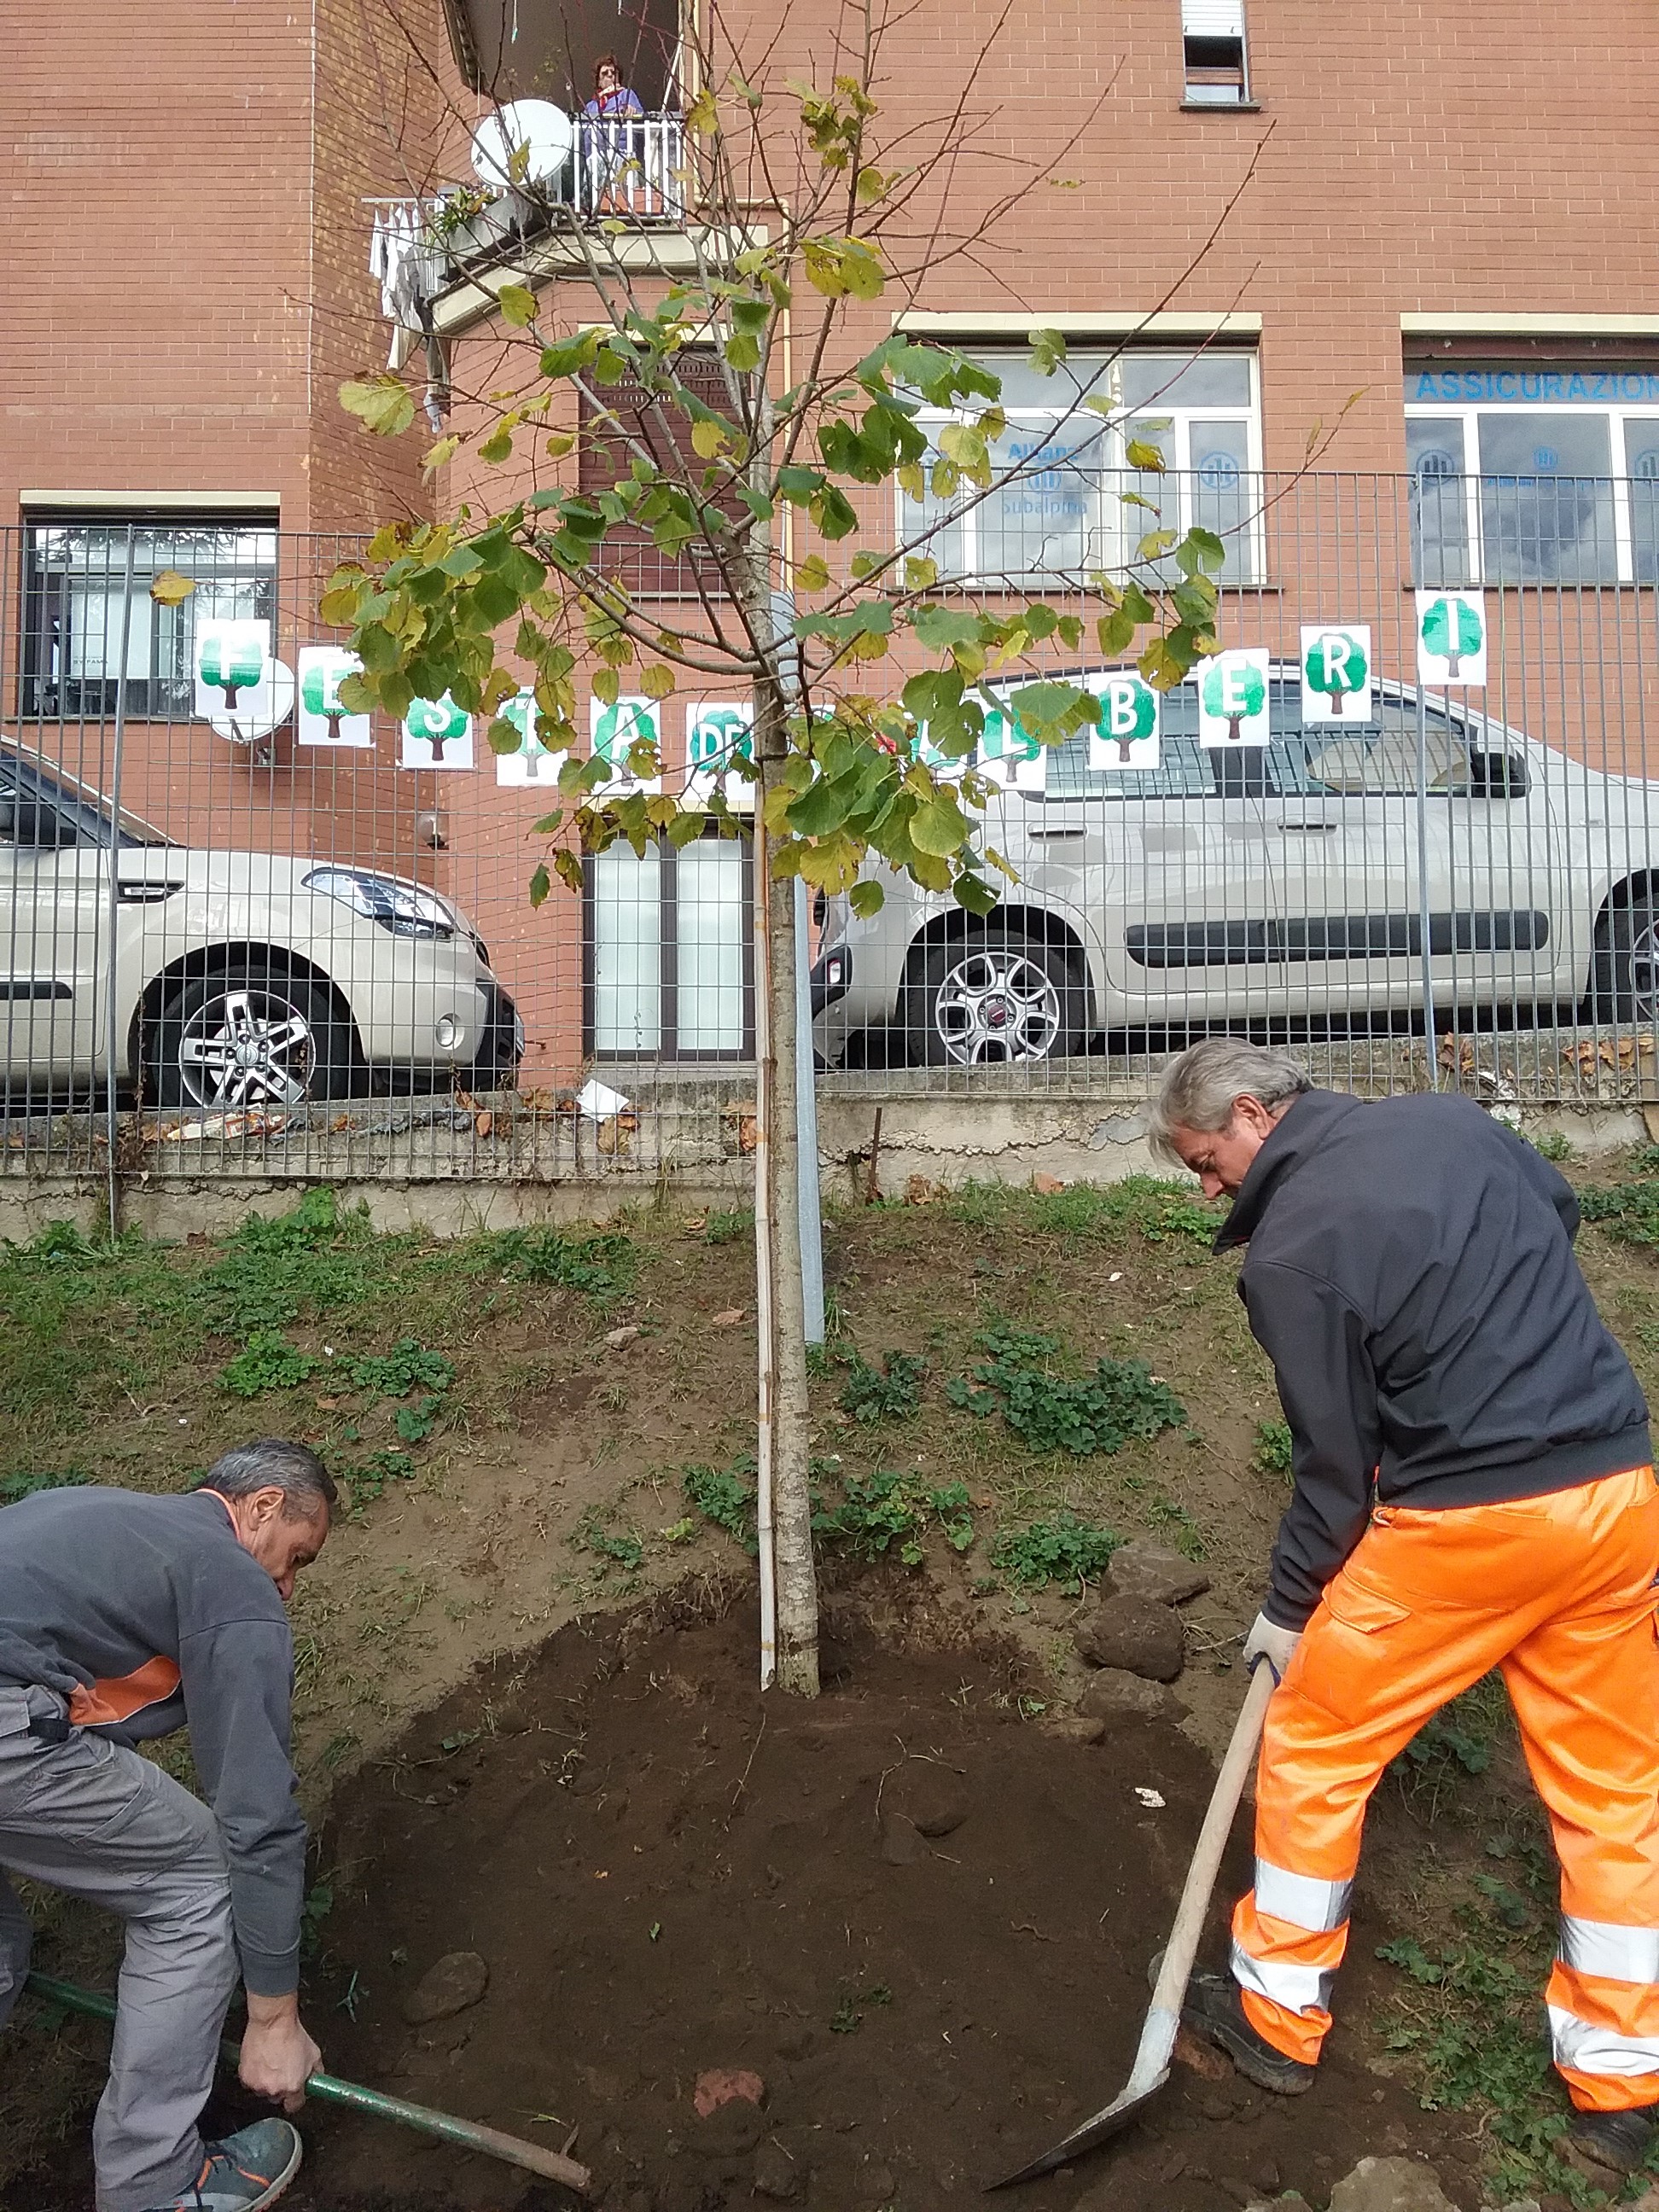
(921, 1918)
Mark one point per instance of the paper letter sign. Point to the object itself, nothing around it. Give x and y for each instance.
(532, 765)
(717, 732)
(616, 728)
(1336, 673)
(1232, 698)
(437, 733)
(1126, 735)
(230, 659)
(1008, 753)
(323, 720)
(1451, 639)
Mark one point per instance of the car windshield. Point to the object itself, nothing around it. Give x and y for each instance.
(90, 811)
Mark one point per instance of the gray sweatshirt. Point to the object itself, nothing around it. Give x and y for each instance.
(147, 1614)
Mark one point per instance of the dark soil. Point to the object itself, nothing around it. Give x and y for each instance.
(668, 1875)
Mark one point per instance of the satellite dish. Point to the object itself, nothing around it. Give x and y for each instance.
(543, 131)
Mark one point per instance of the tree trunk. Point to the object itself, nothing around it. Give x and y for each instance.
(784, 1430)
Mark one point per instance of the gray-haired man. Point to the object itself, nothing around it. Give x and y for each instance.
(124, 1617)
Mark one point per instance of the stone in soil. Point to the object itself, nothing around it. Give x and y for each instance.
(901, 1841)
(1391, 2184)
(1135, 1634)
(930, 1796)
(777, 2174)
(458, 1979)
(1114, 1694)
(1140, 1569)
(727, 2085)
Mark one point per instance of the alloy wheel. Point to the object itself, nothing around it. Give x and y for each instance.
(246, 1047)
(996, 1003)
(1643, 958)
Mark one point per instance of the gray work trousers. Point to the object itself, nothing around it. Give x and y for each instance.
(91, 1818)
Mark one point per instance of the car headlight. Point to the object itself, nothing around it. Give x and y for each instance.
(404, 909)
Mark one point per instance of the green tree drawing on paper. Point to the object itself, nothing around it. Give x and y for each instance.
(231, 664)
(625, 725)
(1451, 628)
(321, 695)
(720, 735)
(436, 722)
(1337, 666)
(1234, 693)
(1129, 712)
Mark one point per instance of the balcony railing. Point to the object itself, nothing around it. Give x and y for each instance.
(630, 168)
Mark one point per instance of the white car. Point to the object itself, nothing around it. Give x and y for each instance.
(241, 978)
(1233, 884)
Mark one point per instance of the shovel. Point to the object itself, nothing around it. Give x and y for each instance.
(1151, 2068)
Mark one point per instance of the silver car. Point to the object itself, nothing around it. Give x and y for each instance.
(241, 978)
(1279, 882)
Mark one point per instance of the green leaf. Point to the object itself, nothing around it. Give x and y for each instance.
(517, 305)
(1208, 547)
(974, 893)
(383, 404)
(1141, 454)
(742, 352)
(1048, 351)
(866, 898)
(497, 446)
(540, 885)
(939, 826)
(940, 629)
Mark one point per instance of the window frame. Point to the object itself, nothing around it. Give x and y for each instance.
(1618, 414)
(1197, 93)
(1111, 519)
(47, 595)
(668, 1046)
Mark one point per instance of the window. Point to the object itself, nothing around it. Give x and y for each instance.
(670, 972)
(1534, 474)
(1212, 47)
(1322, 762)
(629, 553)
(1072, 501)
(74, 596)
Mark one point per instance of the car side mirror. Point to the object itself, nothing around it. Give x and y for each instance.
(1498, 776)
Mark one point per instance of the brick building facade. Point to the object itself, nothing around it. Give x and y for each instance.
(1419, 241)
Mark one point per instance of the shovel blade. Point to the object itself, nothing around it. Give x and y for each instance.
(1124, 2108)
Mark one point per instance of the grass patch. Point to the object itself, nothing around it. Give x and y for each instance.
(1161, 1213)
(726, 1495)
(883, 1512)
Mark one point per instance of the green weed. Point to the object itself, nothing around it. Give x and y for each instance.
(267, 1362)
(726, 1495)
(1627, 1212)
(408, 1366)
(1553, 1144)
(879, 1511)
(1047, 1412)
(602, 1266)
(728, 1223)
(890, 1393)
(415, 1423)
(1161, 1213)
(1062, 1550)
(623, 1550)
(1167, 1514)
(16, 1487)
(1273, 1447)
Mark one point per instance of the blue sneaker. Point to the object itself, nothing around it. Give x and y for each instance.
(245, 2172)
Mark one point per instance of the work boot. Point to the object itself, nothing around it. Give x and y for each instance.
(245, 2172)
(1620, 2141)
(1212, 2010)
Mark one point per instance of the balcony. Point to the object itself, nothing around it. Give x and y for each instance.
(629, 170)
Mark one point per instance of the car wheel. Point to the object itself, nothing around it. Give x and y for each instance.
(998, 997)
(1624, 985)
(250, 1036)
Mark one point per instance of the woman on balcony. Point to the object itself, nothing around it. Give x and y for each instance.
(612, 142)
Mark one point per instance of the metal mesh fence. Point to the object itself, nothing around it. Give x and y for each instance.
(1406, 823)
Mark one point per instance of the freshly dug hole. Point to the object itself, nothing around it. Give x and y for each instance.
(670, 1877)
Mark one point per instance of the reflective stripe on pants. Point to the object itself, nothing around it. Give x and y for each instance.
(1558, 1591)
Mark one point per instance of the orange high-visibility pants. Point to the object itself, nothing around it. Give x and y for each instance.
(1559, 1592)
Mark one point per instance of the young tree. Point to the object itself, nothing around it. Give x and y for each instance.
(859, 665)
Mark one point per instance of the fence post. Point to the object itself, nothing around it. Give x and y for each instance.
(113, 907)
(1424, 903)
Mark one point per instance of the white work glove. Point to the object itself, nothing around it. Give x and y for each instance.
(1269, 1644)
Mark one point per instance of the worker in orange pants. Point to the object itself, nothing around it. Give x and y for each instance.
(1472, 1488)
